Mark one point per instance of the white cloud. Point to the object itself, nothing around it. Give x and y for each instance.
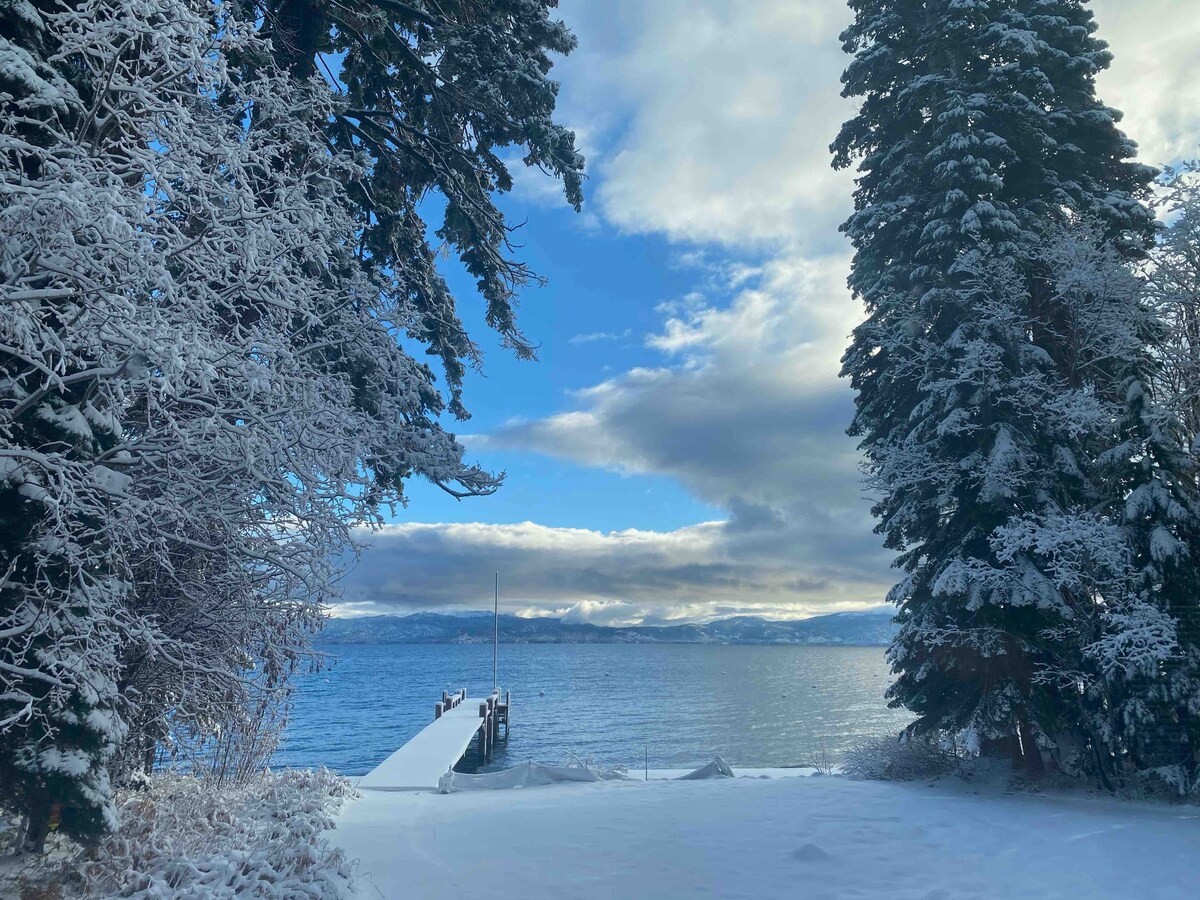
(749, 407)
(597, 336)
(729, 108)
(603, 612)
(1156, 45)
(733, 105)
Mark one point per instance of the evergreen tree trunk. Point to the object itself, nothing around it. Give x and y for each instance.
(1034, 764)
(37, 821)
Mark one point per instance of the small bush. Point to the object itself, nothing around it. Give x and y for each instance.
(903, 758)
(822, 761)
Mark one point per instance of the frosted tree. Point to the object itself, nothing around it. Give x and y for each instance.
(1173, 278)
(1172, 275)
(201, 387)
(1110, 547)
(979, 129)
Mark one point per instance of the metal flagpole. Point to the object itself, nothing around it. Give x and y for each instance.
(496, 637)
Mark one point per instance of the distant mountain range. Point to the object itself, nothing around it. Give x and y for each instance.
(872, 627)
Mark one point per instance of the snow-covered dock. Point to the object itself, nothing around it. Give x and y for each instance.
(440, 745)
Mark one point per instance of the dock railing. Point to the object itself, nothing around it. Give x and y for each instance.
(448, 702)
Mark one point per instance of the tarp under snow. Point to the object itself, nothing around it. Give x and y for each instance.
(532, 774)
(718, 768)
(527, 774)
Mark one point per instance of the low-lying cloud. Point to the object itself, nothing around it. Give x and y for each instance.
(697, 572)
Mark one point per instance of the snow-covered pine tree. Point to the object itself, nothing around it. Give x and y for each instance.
(979, 128)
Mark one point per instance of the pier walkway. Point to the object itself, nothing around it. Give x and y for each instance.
(440, 745)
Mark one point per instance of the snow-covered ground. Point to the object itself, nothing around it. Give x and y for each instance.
(760, 837)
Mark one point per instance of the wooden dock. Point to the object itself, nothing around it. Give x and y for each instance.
(457, 724)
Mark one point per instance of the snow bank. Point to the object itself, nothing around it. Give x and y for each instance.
(816, 837)
(186, 839)
(526, 774)
(718, 768)
(535, 774)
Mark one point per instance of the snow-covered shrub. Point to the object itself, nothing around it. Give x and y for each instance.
(1173, 782)
(891, 757)
(183, 837)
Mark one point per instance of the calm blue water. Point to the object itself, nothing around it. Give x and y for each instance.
(755, 706)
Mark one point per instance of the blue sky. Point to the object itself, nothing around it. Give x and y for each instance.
(678, 451)
(591, 319)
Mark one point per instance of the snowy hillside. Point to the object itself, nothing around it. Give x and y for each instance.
(867, 628)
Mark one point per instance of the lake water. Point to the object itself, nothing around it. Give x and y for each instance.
(686, 703)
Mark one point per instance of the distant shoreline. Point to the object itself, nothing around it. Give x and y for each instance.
(341, 642)
(870, 628)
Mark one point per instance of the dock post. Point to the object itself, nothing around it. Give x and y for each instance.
(438, 709)
(491, 723)
(507, 712)
(485, 733)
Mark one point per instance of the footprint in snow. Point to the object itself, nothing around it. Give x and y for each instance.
(809, 853)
